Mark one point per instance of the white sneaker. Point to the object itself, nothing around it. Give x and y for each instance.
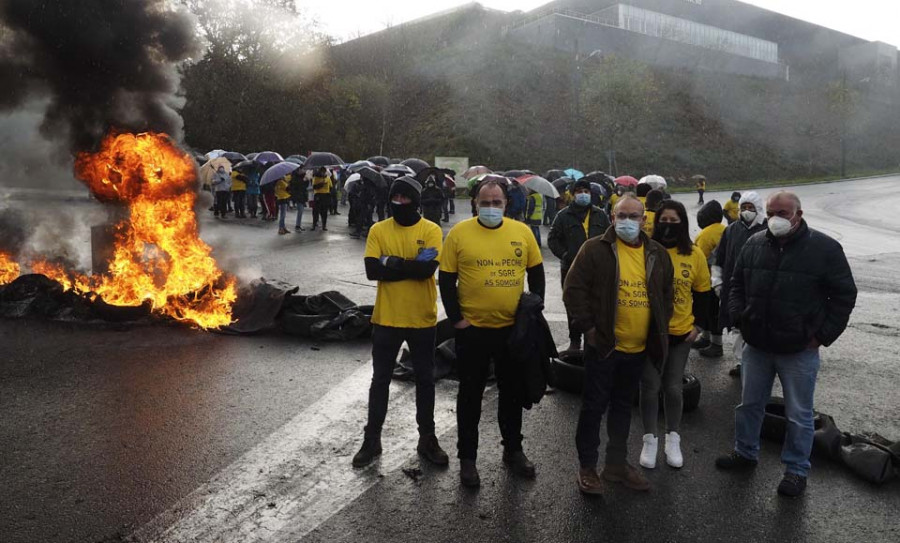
(673, 450)
(648, 453)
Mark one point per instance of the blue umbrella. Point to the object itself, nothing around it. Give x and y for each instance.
(574, 174)
(268, 156)
(278, 171)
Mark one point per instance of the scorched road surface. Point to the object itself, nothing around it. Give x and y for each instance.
(162, 433)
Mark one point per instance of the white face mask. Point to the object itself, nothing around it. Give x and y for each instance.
(748, 216)
(779, 227)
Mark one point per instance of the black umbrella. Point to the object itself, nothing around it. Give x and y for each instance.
(563, 183)
(417, 164)
(245, 165)
(372, 176)
(515, 174)
(233, 157)
(398, 170)
(318, 160)
(553, 175)
(422, 175)
(396, 160)
(605, 181)
(382, 161)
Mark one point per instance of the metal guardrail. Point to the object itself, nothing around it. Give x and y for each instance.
(565, 12)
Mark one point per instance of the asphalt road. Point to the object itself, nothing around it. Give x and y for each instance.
(162, 433)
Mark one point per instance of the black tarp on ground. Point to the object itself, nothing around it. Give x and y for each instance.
(35, 295)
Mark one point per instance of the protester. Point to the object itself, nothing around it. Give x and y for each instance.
(792, 292)
(449, 205)
(221, 184)
(337, 186)
(321, 183)
(253, 195)
(534, 214)
(299, 189)
(432, 198)
(551, 209)
(239, 193)
(282, 199)
(654, 198)
(573, 226)
(691, 276)
(402, 254)
(619, 293)
(709, 219)
(483, 268)
(701, 188)
(733, 239)
(270, 204)
(732, 208)
(517, 202)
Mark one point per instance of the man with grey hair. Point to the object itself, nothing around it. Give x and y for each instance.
(792, 292)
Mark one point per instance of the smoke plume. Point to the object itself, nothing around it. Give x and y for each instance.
(102, 64)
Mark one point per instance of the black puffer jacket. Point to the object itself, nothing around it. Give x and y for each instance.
(567, 233)
(733, 240)
(783, 296)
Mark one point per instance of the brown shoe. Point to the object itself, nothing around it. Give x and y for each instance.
(627, 475)
(589, 482)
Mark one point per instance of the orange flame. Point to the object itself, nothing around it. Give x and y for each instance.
(9, 269)
(158, 254)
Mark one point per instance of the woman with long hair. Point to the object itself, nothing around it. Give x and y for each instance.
(691, 278)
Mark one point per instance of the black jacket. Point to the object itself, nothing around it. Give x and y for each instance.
(733, 240)
(783, 296)
(567, 233)
(531, 346)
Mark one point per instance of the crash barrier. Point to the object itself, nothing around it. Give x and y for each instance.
(568, 375)
(869, 456)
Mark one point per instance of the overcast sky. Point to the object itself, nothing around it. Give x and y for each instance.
(868, 19)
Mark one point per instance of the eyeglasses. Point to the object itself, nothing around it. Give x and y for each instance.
(632, 216)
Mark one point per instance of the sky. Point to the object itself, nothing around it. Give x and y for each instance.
(875, 20)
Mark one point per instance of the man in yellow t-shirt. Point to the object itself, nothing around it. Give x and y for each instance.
(619, 292)
(484, 264)
(402, 254)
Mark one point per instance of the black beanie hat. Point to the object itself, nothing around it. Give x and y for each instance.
(581, 184)
(406, 186)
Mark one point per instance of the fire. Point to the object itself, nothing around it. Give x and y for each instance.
(9, 269)
(158, 254)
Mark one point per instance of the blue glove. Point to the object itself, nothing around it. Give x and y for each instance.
(427, 255)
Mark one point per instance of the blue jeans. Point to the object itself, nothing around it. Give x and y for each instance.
(797, 373)
(282, 211)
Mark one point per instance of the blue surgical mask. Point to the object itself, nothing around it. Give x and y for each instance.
(490, 216)
(628, 230)
(583, 199)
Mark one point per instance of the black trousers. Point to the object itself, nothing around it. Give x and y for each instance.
(239, 197)
(222, 198)
(475, 348)
(252, 203)
(321, 205)
(386, 342)
(574, 335)
(609, 384)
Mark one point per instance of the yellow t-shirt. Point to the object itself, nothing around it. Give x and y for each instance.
(410, 303)
(281, 188)
(238, 181)
(633, 305)
(491, 264)
(708, 238)
(691, 274)
(648, 224)
(325, 188)
(587, 223)
(612, 201)
(731, 208)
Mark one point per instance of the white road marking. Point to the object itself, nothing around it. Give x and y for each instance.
(300, 476)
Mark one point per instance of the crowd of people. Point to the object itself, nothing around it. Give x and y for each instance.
(639, 294)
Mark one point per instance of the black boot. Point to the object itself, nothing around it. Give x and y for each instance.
(713, 351)
(371, 449)
(468, 473)
(518, 463)
(432, 451)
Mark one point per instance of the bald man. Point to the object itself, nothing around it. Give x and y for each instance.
(792, 292)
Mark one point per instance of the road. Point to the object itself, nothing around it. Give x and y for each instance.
(163, 433)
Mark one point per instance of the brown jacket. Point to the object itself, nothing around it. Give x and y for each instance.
(592, 288)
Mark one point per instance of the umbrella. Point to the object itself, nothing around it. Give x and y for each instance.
(476, 170)
(607, 182)
(268, 156)
(538, 184)
(252, 156)
(597, 188)
(574, 174)
(488, 177)
(233, 156)
(319, 160)
(553, 175)
(627, 181)
(301, 157)
(360, 164)
(698, 177)
(515, 174)
(382, 161)
(396, 160)
(245, 165)
(563, 183)
(372, 176)
(655, 181)
(354, 177)
(423, 174)
(398, 170)
(216, 153)
(208, 169)
(278, 171)
(417, 164)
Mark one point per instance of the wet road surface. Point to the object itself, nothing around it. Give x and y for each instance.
(169, 434)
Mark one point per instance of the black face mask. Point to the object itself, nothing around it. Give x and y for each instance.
(405, 214)
(667, 234)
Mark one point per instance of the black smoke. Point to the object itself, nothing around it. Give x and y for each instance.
(101, 64)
